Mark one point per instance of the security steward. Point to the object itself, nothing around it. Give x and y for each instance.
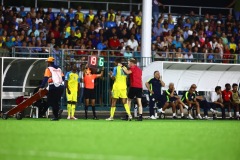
(55, 78)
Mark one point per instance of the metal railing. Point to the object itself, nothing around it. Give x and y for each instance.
(130, 5)
(70, 56)
(107, 4)
(200, 8)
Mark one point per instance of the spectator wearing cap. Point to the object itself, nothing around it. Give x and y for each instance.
(130, 22)
(54, 77)
(219, 23)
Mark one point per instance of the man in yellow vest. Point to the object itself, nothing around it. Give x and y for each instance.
(80, 14)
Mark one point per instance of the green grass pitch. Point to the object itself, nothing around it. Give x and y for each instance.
(42, 139)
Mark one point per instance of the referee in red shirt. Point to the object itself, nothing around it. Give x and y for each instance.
(135, 84)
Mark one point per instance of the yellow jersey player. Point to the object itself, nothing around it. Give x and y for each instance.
(72, 89)
(119, 89)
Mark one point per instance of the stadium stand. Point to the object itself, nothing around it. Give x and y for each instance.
(70, 35)
(188, 38)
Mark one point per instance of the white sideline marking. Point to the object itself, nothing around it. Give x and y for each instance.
(82, 156)
(51, 154)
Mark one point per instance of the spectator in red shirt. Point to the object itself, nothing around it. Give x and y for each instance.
(114, 43)
(135, 84)
(227, 96)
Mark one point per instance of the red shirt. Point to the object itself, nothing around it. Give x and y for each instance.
(114, 43)
(136, 77)
(226, 95)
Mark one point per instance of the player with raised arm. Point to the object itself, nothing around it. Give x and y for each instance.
(89, 90)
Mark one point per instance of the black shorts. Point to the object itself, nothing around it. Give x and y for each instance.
(172, 99)
(135, 92)
(89, 93)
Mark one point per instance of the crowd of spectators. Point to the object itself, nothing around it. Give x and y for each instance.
(189, 37)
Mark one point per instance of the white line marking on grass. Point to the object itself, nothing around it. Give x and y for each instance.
(81, 156)
(65, 155)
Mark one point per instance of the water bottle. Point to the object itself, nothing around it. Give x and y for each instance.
(135, 110)
(34, 115)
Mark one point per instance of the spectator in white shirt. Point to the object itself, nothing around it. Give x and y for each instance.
(188, 57)
(38, 18)
(132, 43)
(216, 101)
(122, 21)
(130, 22)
